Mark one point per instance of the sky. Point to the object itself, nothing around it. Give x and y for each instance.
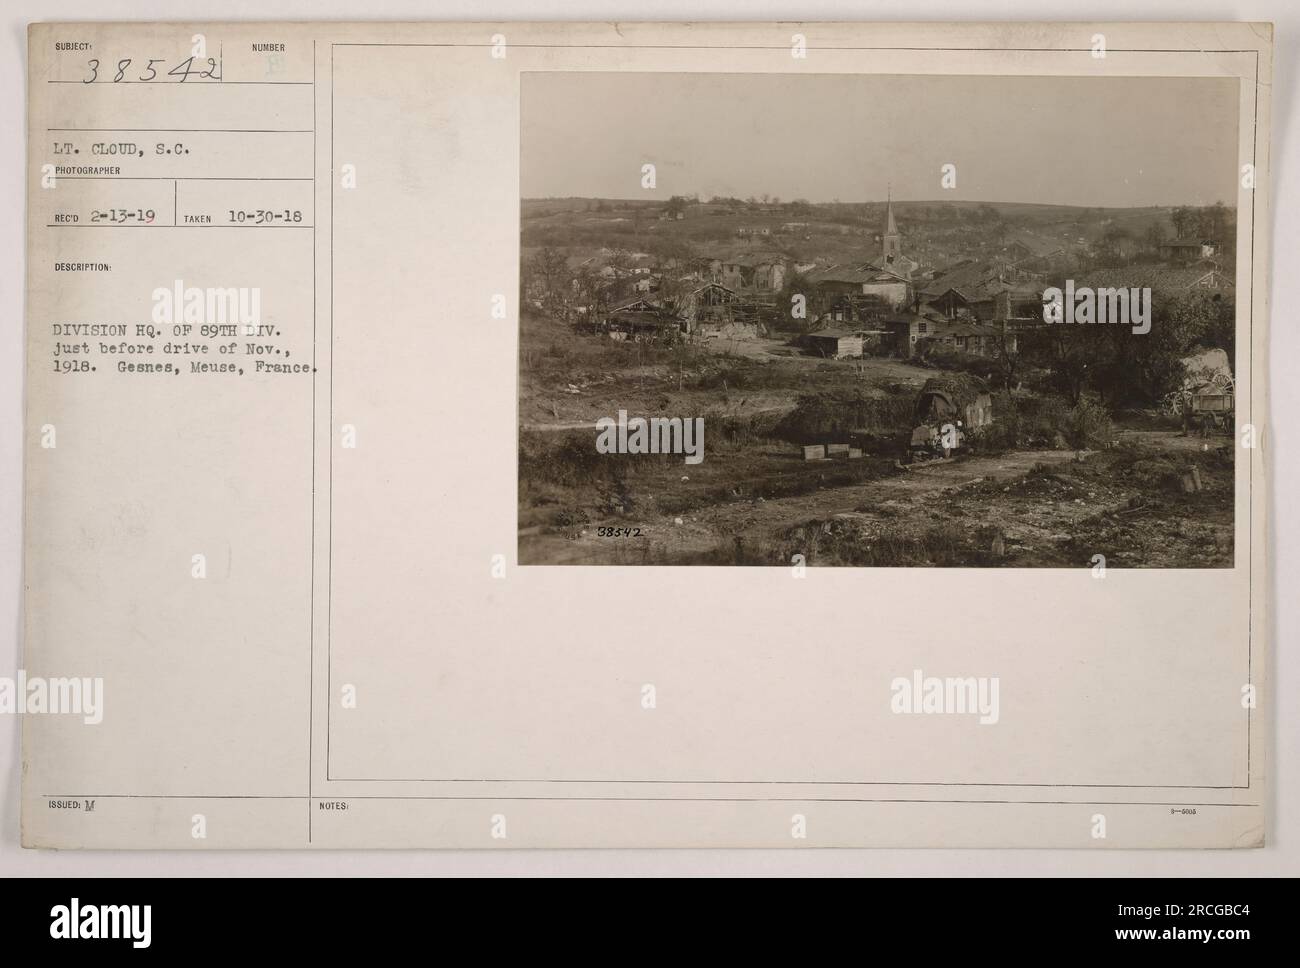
(1097, 141)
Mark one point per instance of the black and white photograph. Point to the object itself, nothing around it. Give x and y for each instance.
(879, 321)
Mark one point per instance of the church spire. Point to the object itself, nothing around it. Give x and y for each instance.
(890, 239)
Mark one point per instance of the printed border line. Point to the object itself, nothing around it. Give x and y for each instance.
(786, 47)
(253, 796)
(898, 783)
(1250, 465)
(311, 616)
(329, 554)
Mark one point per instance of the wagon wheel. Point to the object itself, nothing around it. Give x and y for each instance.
(1225, 382)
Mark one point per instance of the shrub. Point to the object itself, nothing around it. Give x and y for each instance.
(818, 417)
(946, 358)
(1088, 426)
(1034, 421)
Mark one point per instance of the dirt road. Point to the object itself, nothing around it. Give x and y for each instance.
(912, 486)
(1173, 440)
(701, 531)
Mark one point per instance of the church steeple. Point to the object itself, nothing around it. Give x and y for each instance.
(891, 241)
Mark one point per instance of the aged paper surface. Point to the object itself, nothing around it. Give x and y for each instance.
(347, 344)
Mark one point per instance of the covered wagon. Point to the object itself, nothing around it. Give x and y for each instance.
(949, 409)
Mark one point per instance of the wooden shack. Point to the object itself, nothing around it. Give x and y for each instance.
(836, 344)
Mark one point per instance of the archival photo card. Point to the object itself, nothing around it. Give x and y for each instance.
(380, 375)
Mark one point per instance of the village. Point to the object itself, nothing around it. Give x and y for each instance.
(884, 369)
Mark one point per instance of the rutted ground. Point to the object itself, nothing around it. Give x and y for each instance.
(761, 521)
(1035, 507)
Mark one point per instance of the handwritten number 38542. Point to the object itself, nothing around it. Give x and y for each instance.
(183, 70)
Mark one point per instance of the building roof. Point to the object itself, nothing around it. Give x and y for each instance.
(640, 303)
(965, 276)
(688, 301)
(973, 280)
(749, 256)
(855, 274)
(835, 333)
(839, 273)
(1156, 278)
